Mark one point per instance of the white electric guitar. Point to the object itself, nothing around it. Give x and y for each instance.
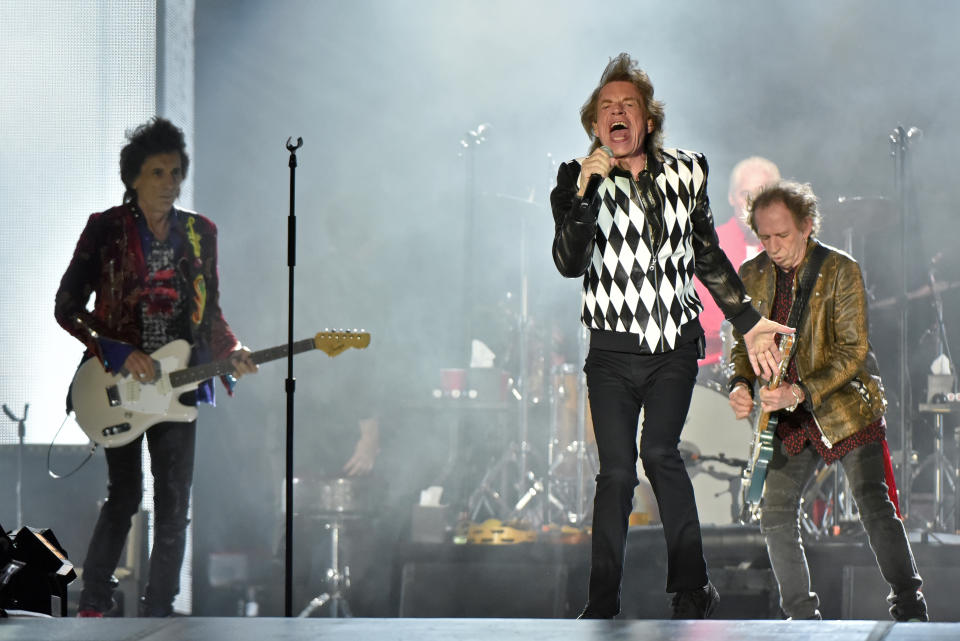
(114, 409)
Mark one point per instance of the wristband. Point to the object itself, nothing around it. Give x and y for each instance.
(796, 398)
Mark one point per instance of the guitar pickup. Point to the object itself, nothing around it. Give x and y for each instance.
(113, 396)
(113, 430)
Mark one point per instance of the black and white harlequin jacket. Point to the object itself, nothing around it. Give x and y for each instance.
(638, 244)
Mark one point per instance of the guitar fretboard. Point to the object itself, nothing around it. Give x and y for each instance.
(225, 366)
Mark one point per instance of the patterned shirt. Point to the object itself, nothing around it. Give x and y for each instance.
(163, 300)
(640, 278)
(797, 428)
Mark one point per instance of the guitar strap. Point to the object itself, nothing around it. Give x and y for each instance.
(805, 287)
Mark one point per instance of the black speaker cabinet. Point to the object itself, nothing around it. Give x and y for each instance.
(865, 593)
(477, 589)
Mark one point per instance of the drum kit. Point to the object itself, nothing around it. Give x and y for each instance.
(558, 485)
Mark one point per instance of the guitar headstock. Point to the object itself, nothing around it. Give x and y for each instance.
(786, 350)
(334, 342)
(786, 345)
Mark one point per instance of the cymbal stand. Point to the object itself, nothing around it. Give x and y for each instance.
(583, 501)
(489, 495)
(945, 472)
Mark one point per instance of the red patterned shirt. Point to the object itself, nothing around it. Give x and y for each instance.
(797, 428)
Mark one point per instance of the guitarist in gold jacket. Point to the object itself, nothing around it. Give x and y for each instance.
(831, 401)
(153, 271)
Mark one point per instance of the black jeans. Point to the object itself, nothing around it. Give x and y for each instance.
(619, 385)
(171, 448)
(787, 477)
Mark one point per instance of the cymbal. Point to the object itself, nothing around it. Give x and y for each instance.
(528, 203)
(920, 292)
(860, 212)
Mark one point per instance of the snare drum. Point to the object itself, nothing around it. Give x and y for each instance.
(711, 429)
(330, 497)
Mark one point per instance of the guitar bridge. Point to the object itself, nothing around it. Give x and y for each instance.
(113, 430)
(113, 396)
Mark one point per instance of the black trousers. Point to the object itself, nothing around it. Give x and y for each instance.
(171, 447)
(619, 384)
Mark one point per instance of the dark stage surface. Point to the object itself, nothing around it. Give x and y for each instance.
(463, 629)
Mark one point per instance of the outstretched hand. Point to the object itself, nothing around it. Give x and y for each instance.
(762, 349)
(363, 459)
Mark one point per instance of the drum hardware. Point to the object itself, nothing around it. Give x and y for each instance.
(559, 493)
(526, 386)
(488, 498)
(333, 502)
(941, 386)
(945, 471)
(711, 427)
(827, 507)
(734, 480)
(338, 577)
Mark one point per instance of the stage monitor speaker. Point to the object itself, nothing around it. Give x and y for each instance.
(865, 593)
(745, 593)
(497, 590)
(35, 568)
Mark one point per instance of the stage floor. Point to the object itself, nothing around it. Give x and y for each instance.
(239, 629)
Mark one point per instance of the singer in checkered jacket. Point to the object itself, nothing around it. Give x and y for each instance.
(633, 219)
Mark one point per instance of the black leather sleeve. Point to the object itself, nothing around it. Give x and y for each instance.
(575, 223)
(712, 266)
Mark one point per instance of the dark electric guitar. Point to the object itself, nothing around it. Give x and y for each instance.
(114, 409)
(756, 473)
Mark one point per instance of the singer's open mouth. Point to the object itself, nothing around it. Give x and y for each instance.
(617, 126)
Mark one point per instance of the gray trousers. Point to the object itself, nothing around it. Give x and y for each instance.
(787, 477)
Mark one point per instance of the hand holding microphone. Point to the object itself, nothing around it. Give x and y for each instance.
(597, 165)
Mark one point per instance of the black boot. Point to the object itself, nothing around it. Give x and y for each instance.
(696, 604)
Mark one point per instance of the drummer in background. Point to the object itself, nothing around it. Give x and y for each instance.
(341, 440)
(739, 244)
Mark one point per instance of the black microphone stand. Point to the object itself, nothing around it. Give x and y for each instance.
(899, 148)
(290, 385)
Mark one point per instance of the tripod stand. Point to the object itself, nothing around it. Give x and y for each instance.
(561, 490)
(941, 386)
(827, 506)
(944, 474)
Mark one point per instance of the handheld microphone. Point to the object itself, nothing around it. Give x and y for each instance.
(593, 184)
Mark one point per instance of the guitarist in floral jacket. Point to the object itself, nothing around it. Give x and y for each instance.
(830, 404)
(153, 270)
